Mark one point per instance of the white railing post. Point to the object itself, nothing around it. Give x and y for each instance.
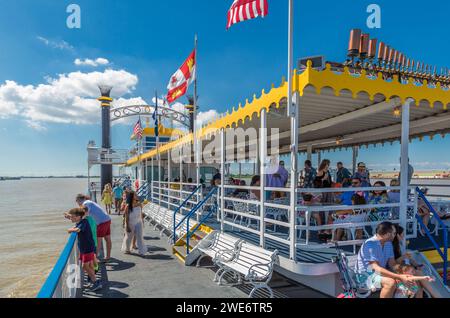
(169, 179)
(222, 178)
(294, 174)
(404, 163)
(181, 176)
(262, 171)
(159, 178)
(151, 186)
(354, 158)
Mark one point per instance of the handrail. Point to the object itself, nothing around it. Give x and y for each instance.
(442, 254)
(52, 281)
(178, 209)
(143, 190)
(189, 233)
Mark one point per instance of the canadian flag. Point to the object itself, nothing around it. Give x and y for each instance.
(183, 77)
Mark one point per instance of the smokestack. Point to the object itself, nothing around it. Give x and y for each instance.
(354, 42)
(372, 48)
(381, 51)
(386, 53)
(364, 45)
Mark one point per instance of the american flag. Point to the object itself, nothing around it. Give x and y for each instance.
(242, 10)
(137, 130)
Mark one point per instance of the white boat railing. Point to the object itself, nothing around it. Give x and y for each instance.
(172, 195)
(244, 214)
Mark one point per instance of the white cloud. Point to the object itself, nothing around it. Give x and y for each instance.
(36, 125)
(205, 117)
(68, 98)
(94, 63)
(60, 44)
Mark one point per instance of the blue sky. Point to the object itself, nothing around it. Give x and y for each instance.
(145, 41)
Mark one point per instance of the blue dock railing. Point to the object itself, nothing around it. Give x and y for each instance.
(175, 226)
(64, 280)
(442, 254)
(204, 218)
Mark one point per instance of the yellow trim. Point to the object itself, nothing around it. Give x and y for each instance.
(319, 80)
(105, 104)
(434, 257)
(104, 99)
(163, 131)
(174, 252)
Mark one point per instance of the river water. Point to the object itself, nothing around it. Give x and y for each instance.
(33, 230)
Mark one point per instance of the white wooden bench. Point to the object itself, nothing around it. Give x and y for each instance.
(218, 243)
(250, 265)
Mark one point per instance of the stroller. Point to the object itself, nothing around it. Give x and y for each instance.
(353, 284)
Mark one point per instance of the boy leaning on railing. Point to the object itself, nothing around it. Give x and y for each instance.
(86, 244)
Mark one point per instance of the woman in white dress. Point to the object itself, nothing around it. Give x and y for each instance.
(133, 225)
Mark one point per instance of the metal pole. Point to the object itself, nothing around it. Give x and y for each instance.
(151, 186)
(222, 178)
(309, 152)
(262, 171)
(181, 175)
(169, 178)
(355, 158)
(293, 112)
(404, 158)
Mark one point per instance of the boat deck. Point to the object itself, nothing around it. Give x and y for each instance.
(160, 274)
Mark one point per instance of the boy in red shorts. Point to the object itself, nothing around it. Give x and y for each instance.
(86, 244)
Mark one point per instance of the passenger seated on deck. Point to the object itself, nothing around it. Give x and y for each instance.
(402, 256)
(346, 197)
(309, 200)
(349, 216)
(240, 192)
(414, 290)
(379, 197)
(255, 194)
(394, 197)
(374, 257)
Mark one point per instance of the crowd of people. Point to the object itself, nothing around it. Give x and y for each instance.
(93, 226)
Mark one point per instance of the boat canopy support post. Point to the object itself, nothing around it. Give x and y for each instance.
(354, 158)
(293, 113)
(222, 178)
(181, 174)
(404, 162)
(159, 178)
(151, 180)
(262, 166)
(169, 178)
(309, 150)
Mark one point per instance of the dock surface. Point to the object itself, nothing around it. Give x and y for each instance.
(160, 274)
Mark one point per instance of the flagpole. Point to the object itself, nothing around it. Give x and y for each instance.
(196, 143)
(157, 137)
(290, 55)
(293, 113)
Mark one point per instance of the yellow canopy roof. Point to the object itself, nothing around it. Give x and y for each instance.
(329, 100)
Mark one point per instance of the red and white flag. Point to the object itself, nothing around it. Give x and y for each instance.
(183, 77)
(242, 10)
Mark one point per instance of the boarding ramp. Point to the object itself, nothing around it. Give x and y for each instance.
(435, 260)
(428, 269)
